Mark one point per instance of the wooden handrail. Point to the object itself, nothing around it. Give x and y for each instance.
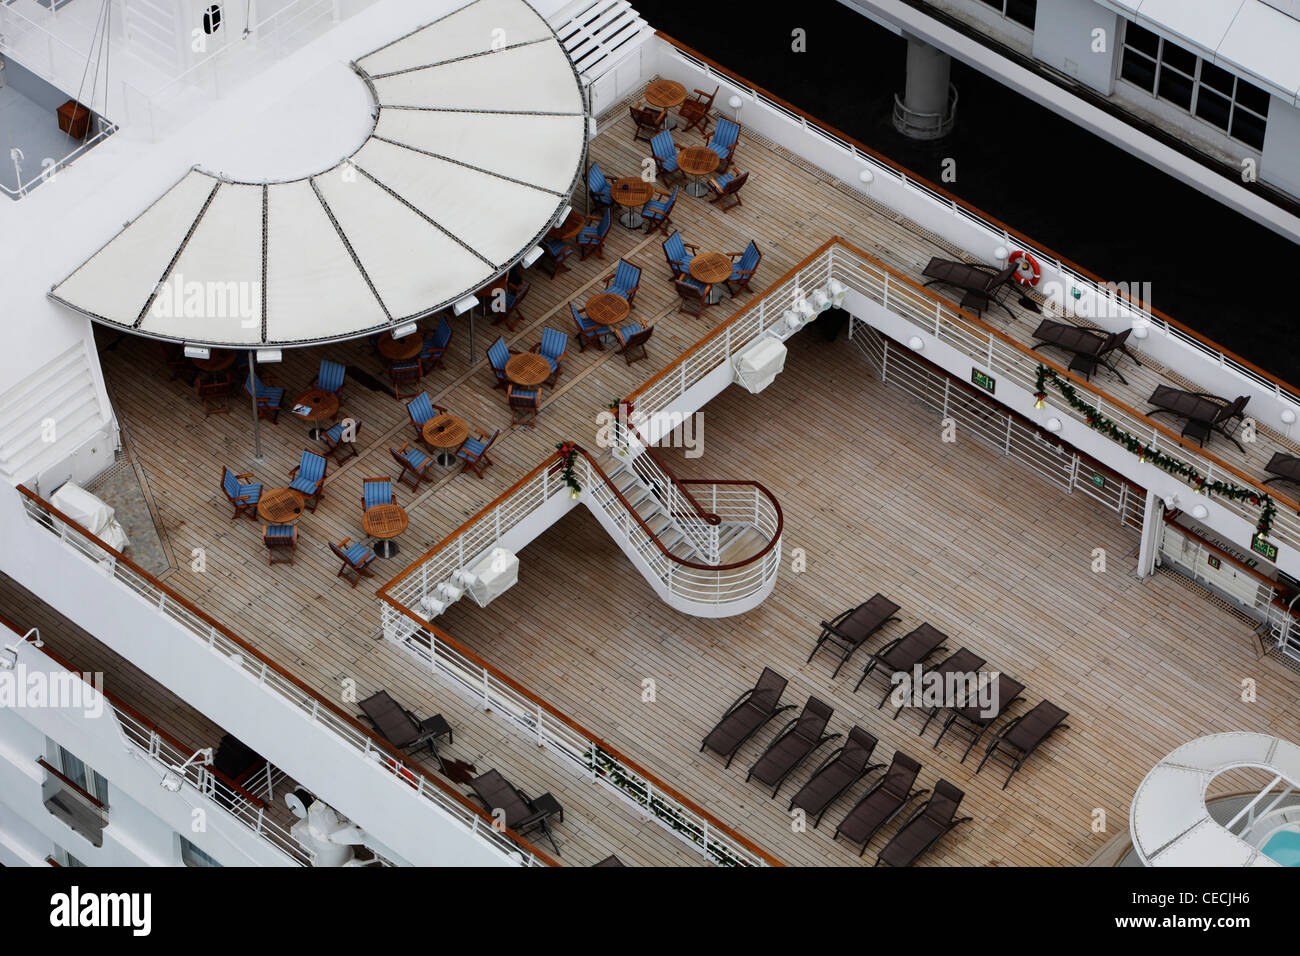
(378, 742)
(53, 862)
(72, 784)
(1291, 390)
(582, 731)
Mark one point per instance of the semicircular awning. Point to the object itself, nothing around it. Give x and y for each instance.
(477, 145)
(1169, 821)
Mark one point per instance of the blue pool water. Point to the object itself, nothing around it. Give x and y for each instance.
(1284, 847)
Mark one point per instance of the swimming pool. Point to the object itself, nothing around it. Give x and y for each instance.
(1284, 846)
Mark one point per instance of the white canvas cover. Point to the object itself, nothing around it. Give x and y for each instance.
(477, 146)
(1169, 821)
(91, 513)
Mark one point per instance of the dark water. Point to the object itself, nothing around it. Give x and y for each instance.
(1208, 267)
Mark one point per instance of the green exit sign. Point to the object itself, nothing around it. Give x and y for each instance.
(1099, 480)
(983, 380)
(1260, 545)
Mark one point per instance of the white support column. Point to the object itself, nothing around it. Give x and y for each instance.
(1153, 526)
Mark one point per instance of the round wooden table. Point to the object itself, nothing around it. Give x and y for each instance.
(571, 226)
(697, 162)
(280, 506)
(711, 268)
(632, 192)
(666, 95)
(218, 361)
(384, 522)
(528, 369)
(321, 405)
(400, 350)
(607, 308)
(445, 433)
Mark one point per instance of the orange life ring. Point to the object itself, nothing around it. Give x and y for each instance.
(402, 771)
(1027, 270)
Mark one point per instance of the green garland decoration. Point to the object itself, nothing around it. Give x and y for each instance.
(1099, 422)
(568, 455)
(604, 765)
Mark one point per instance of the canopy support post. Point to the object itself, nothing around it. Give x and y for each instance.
(252, 391)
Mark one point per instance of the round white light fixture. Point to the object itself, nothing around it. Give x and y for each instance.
(1053, 424)
(1288, 416)
(865, 176)
(1200, 511)
(1139, 328)
(821, 301)
(1000, 253)
(734, 102)
(916, 343)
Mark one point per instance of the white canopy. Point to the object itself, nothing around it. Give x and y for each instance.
(477, 144)
(1169, 821)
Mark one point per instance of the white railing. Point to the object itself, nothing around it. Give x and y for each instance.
(580, 754)
(706, 586)
(1018, 365)
(200, 778)
(920, 125)
(1011, 241)
(48, 172)
(267, 676)
(755, 320)
(701, 535)
(994, 426)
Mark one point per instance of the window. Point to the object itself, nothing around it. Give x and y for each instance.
(212, 19)
(1021, 11)
(85, 777)
(1208, 92)
(193, 856)
(64, 858)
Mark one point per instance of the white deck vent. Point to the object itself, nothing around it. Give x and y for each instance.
(598, 33)
(759, 363)
(492, 575)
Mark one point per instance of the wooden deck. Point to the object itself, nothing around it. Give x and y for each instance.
(905, 517)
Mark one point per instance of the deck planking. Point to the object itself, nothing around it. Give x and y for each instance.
(325, 632)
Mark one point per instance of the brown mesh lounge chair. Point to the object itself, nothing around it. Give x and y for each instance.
(752, 709)
(981, 283)
(960, 661)
(1205, 413)
(793, 745)
(849, 630)
(521, 813)
(1089, 347)
(884, 801)
(975, 719)
(1022, 736)
(1283, 467)
(902, 654)
(403, 729)
(841, 769)
(925, 827)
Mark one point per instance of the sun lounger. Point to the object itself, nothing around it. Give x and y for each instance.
(960, 661)
(884, 801)
(1283, 467)
(902, 654)
(400, 727)
(976, 719)
(1205, 413)
(1088, 347)
(793, 745)
(1022, 736)
(841, 769)
(925, 827)
(752, 709)
(520, 813)
(981, 283)
(849, 630)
